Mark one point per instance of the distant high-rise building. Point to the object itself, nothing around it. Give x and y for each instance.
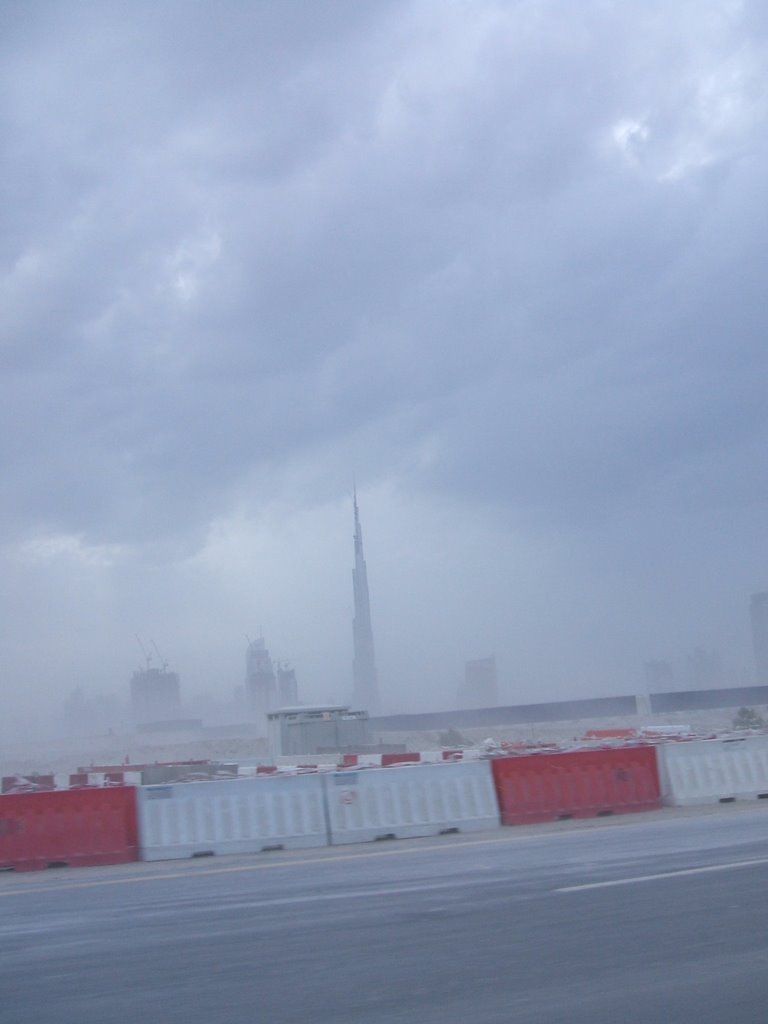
(705, 670)
(758, 608)
(155, 695)
(85, 713)
(287, 687)
(364, 677)
(260, 682)
(479, 688)
(659, 675)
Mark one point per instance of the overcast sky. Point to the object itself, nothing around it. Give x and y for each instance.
(503, 262)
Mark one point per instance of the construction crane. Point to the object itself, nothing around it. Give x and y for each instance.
(144, 651)
(160, 658)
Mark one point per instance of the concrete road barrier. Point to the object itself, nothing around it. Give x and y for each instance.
(409, 801)
(67, 828)
(576, 784)
(714, 771)
(196, 819)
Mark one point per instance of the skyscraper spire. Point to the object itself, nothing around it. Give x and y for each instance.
(366, 687)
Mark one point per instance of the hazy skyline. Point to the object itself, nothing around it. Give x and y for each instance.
(499, 262)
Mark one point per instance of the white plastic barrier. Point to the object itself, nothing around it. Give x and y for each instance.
(369, 760)
(407, 801)
(710, 771)
(189, 819)
(467, 754)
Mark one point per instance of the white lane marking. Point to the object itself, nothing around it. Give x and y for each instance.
(395, 890)
(664, 874)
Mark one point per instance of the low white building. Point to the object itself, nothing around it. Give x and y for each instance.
(316, 729)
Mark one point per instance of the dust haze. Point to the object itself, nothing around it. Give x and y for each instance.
(498, 264)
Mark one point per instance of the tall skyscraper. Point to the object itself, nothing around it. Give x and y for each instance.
(758, 609)
(365, 681)
(260, 683)
(659, 675)
(480, 688)
(705, 670)
(287, 687)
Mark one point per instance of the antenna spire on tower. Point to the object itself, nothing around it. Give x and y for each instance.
(365, 679)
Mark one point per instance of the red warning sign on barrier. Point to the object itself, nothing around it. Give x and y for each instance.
(576, 784)
(74, 827)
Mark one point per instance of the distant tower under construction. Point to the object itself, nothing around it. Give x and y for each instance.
(366, 686)
(155, 695)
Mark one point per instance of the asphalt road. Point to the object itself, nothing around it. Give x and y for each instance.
(650, 918)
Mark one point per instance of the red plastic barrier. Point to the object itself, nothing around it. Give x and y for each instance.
(399, 758)
(577, 784)
(76, 827)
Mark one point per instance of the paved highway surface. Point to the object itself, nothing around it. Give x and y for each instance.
(648, 918)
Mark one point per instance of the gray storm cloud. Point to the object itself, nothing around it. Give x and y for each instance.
(502, 261)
